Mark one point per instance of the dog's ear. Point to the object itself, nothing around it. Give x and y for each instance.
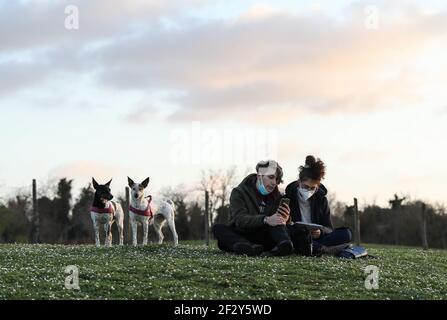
(108, 183)
(131, 182)
(95, 184)
(145, 183)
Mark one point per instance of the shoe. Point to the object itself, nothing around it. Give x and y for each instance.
(284, 248)
(266, 254)
(335, 250)
(303, 244)
(305, 249)
(248, 249)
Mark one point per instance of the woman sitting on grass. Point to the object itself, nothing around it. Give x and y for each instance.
(308, 203)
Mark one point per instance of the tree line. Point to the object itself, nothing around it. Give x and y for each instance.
(64, 220)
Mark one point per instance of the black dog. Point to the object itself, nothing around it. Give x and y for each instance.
(105, 211)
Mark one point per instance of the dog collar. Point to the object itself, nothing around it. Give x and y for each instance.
(146, 213)
(108, 210)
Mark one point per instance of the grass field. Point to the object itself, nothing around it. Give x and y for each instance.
(193, 271)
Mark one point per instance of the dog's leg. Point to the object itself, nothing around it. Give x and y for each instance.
(134, 231)
(120, 225)
(96, 229)
(171, 225)
(157, 226)
(108, 236)
(121, 232)
(145, 231)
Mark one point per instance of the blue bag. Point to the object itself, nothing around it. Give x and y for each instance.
(353, 253)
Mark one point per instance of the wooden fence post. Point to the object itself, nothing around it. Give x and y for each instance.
(127, 235)
(357, 222)
(424, 227)
(207, 218)
(36, 220)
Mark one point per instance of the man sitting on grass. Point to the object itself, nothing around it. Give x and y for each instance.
(257, 223)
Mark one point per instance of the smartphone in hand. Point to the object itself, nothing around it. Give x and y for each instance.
(284, 201)
(281, 203)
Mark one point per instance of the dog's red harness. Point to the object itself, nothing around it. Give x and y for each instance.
(145, 213)
(109, 210)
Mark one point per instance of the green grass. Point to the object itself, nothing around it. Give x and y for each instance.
(193, 271)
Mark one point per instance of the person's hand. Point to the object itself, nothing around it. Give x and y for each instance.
(315, 234)
(284, 211)
(275, 220)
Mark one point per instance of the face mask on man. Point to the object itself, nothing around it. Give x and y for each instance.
(261, 188)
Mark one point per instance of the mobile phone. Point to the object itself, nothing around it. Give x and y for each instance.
(284, 201)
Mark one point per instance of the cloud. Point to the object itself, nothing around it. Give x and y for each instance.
(15, 76)
(36, 47)
(85, 170)
(142, 115)
(42, 23)
(258, 11)
(278, 62)
(264, 65)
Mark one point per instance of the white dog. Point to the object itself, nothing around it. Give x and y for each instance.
(147, 212)
(105, 211)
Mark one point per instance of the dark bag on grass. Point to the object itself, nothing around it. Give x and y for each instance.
(353, 253)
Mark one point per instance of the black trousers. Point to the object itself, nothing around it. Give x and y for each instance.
(266, 236)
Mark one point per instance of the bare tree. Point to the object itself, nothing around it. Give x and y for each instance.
(219, 184)
(22, 204)
(396, 209)
(337, 207)
(2, 199)
(48, 188)
(177, 194)
(210, 182)
(227, 181)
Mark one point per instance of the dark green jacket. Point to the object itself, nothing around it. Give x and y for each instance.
(246, 212)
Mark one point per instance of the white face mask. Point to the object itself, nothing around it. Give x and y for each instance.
(306, 194)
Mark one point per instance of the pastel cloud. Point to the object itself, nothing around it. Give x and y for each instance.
(259, 68)
(36, 48)
(86, 169)
(265, 65)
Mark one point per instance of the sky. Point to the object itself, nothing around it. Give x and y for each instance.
(167, 89)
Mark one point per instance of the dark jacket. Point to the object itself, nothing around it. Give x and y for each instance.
(246, 212)
(320, 211)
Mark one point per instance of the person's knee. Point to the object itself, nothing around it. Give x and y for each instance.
(345, 234)
(217, 229)
(222, 247)
(280, 228)
(295, 229)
